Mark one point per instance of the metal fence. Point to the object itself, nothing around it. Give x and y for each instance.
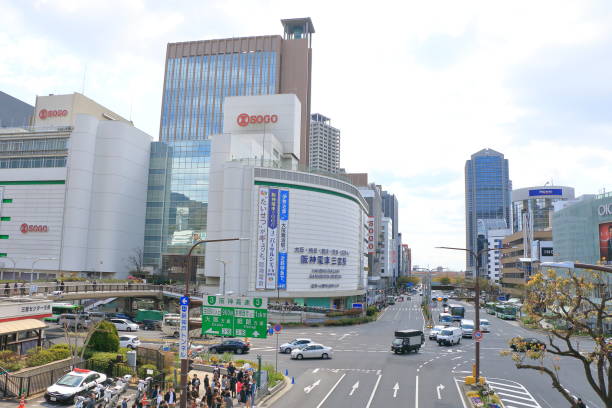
(145, 355)
(29, 384)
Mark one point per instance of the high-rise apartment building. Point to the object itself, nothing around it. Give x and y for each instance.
(487, 195)
(324, 146)
(200, 74)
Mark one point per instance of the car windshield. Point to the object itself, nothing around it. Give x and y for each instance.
(447, 332)
(438, 328)
(70, 380)
(398, 342)
(467, 326)
(484, 323)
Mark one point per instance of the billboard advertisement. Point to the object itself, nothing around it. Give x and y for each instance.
(262, 238)
(272, 238)
(605, 242)
(283, 238)
(545, 192)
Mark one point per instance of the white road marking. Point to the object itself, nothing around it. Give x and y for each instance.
(513, 393)
(416, 393)
(373, 391)
(439, 389)
(460, 393)
(330, 391)
(395, 389)
(343, 336)
(355, 386)
(309, 388)
(316, 370)
(455, 358)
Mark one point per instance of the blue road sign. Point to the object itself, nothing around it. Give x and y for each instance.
(409, 284)
(501, 298)
(277, 328)
(184, 300)
(270, 331)
(357, 305)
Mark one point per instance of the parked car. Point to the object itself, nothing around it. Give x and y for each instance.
(96, 317)
(293, 344)
(124, 325)
(449, 336)
(151, 325)
(527, 343)
(234, 346)
(76, 382)
(312, 351)
(74, 321)
(485, 325)
(467, 326)
(129, 341)
(433, 333)
(122, 316)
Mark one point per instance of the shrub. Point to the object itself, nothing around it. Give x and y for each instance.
(227, 357)
(371, 310)
(9, 360)
(102, 361)
(104, 338)
(347, 321)
(142, 371)
(273, 376)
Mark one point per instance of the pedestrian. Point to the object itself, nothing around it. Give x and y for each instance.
(231, 369)
(124, 403)
(94, 284)
(7, 289)
(247, 392)
(580, 403)
(195, 385)
(206, 381)
(159, 396)
(22, 288)
(91, 401)
(233, 386)
(209, 395)
(62, 286)
(227, 400)
(170, 398)
(15, 289)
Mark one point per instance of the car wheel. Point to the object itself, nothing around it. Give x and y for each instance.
(131, 347)
(459, 342)
(288, 351)
(239, 351)
(324, 356)
(299, 356)
(175, 334)
(129, 329)
(213, 350)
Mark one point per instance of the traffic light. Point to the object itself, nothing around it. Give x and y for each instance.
(190, 365)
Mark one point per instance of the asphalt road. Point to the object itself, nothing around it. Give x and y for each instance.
(364, 373)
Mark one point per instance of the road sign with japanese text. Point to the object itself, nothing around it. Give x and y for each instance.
(235, 316)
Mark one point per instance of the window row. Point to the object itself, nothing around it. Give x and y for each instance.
(32, 162)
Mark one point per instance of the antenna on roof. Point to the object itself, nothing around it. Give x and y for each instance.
(84, 76)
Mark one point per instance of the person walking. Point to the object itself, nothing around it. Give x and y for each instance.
(7, 289)
(170, 398)
(94, 284)
(206, 381)
(195, 385)
(227, 400)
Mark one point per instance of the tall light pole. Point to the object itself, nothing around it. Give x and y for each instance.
(224, 265)
(476, 300)
(34, 262)
(185, 361)
(3, 268)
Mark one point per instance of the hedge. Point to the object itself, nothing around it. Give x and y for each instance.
(9, 361)
(104, 338)
(38, 356)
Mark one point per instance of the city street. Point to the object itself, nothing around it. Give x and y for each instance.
(364, 373)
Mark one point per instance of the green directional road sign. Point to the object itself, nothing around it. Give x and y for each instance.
(235, 316)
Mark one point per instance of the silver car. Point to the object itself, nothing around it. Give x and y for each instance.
(287, 348)
(433, 333)
(312, 351)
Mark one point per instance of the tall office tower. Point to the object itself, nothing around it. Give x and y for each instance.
(200, 74)
(487, 196)
(390, 209)
(324, 152)
(14, 112)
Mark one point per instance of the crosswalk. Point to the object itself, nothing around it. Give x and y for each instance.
(513, 394)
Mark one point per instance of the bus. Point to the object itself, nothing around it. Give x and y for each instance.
(445, 318)
(505, 311)
(60, 308)
(490, 307)
(457, 311)
(171, 323)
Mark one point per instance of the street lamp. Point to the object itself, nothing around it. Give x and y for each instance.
(34, 262)
(224, 265)
(2, 273)
(185, 361)
(476, 257)
(574, 265)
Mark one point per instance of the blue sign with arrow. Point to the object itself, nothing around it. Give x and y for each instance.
(184, 301)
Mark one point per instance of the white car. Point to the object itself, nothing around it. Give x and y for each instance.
(293, 344)
(433, 333)
(125, 325)
(129, 341)
(75, 383)
(485, 326)
(312, 351)
(449, 336)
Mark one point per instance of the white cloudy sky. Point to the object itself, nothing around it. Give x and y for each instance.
(415, 86)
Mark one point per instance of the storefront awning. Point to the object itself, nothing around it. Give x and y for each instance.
(21, 325)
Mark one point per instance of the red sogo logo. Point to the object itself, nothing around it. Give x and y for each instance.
(244, 119)
(25, 228)
(44, 114)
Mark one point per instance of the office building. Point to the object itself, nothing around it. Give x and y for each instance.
(199, 75)
(531, 241)
(14, 112)
(487, 196)
(324, 155)
(303, 234)
(72, 192)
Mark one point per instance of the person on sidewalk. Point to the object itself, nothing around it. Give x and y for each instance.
(170, 398)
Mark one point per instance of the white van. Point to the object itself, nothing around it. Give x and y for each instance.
(468, 327)
(449, 336)
(74, 321)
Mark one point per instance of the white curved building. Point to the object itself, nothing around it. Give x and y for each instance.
(73, 190)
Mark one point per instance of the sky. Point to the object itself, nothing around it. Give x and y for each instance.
(416, 87)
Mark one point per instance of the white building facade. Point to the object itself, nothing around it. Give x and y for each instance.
(494, 238)
(73, 190)
(302, 235)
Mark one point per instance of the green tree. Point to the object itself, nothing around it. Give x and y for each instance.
(104, 337)
(445, 280)
(403, 280)
(567, 306)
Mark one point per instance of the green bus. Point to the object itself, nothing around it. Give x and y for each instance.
(60, 308)
(490, 307)
(505, 312)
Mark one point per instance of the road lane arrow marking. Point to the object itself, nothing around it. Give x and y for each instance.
(395, 389)
(439, 389)
(355, 386)
(316, 370)
(309, 388)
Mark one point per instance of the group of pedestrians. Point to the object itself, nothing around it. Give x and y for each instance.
(234, 389)
(18, 289)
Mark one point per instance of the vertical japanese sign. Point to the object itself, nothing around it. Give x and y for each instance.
(283, 238)
(262, 238)
(272, 238)
(371, 248)
(184, 327)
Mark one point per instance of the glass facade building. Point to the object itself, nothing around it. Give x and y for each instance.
(487, 194)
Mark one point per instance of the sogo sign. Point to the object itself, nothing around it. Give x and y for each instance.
(244, 119)
(371, 233)
(25, 228)
(58, 113)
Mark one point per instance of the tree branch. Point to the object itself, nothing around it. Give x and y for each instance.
(555, 381)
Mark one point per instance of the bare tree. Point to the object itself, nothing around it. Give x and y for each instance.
(136, 261)
(567, 306)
